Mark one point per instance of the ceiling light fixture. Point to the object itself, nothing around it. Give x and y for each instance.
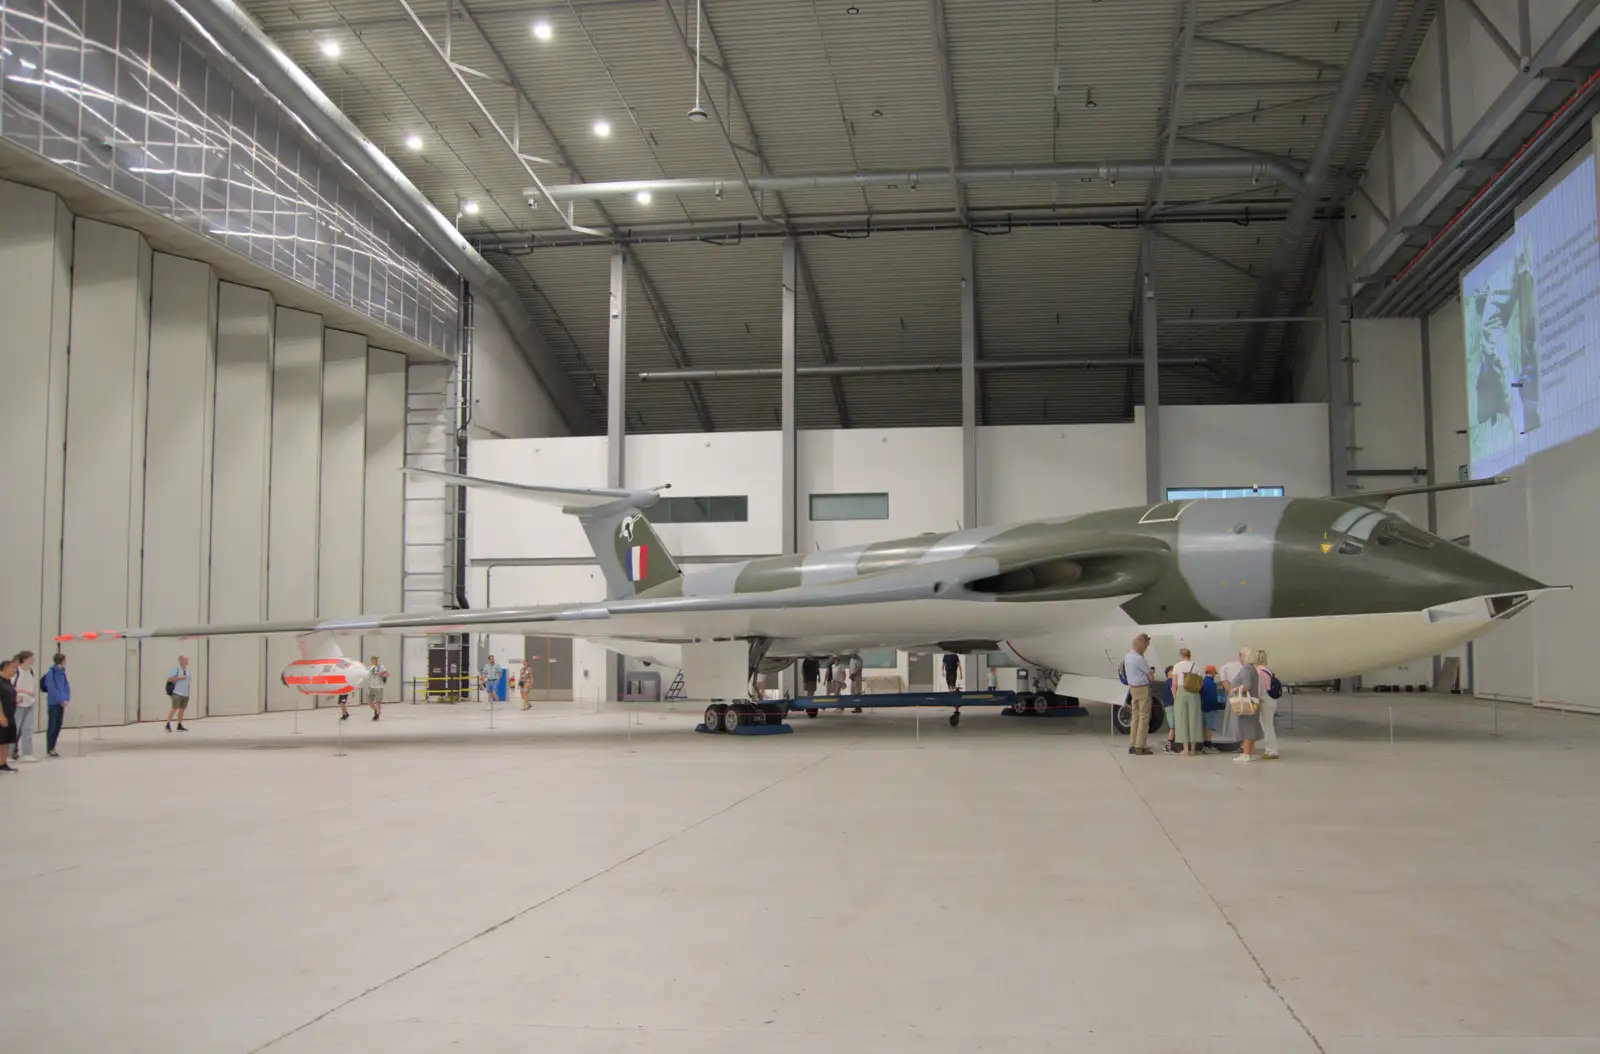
(331, 48)
(877, 113)
(697, 113)
(1088, 99)
(413, 142)
(469, 207)
(602, 128)
(643, 197)
(543, 30)
(852, 10)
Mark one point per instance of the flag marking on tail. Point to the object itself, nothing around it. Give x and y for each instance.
(638, 563)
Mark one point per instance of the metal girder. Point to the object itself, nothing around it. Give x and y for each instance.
(1239, 115)
(658, 307)
(813, 298)
(1221, 261)
(1152, 376)
(1166, 142)
(1234, 148)
(1369, 39)
(1254, 12)
(1284, 56)
(952, 128)
(716, 114)
(1491, 30)
(892, 369)
(670, 334)
(1401, 106)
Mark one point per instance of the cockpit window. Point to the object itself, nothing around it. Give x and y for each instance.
(1357, 525)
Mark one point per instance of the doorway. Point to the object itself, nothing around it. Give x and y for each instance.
(550, 661)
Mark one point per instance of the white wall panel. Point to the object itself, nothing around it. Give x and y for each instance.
(706, 465)
(511, 585)
(35, 304)
(178, 451)
(383, 519)
(1564, 520)
(1271, 444)
(103, 512)
(242, 455)
(293, 509)
(919, 468)
(1029, 472)
(508, 400)
(1504, 661)
(342, 503)
(502, 526)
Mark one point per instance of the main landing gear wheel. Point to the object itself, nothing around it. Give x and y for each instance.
(1122, 718)
(955, 719)
(714, 717)
(774, 713)
(811, 713)
(733, 719)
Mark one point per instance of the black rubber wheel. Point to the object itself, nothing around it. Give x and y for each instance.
(811, 713)
(1158, 717)
(1121, 719)
(955, 719)
(714, 718)
(733, 719)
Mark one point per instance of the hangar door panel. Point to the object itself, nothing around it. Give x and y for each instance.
(550, 661)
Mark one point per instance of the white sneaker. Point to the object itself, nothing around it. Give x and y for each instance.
(1269, 757)
(29, 758)
(1244, 759)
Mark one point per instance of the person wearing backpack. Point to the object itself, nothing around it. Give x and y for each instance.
(1271, 692)
(1188, 728)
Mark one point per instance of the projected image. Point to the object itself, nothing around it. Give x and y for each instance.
(1502, 350)
(1531, 315)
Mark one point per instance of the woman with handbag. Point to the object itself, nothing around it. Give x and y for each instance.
(1245, 702)
(1188, 730)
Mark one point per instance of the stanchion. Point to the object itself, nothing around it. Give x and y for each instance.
(919, 728)
(491, 711)
(340, 724)
(630, 731)
(296, 730)
(99, 719)
(1391, 728)
(1494, 704)
(1291, 710)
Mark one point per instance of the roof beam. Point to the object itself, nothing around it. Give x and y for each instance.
(1284, 56)
(658, 307)
(1166, 143)
(1257, 111)
(1369, 39)
(1254, 12)
(813, 299)
(1207, 254)
(947, 93)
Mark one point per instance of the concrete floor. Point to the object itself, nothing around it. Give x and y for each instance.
(1008, 886)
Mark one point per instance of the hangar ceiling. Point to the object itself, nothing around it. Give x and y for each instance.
(835, 87)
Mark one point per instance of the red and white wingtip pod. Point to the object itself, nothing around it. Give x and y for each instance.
(105, 634)
(325, 676)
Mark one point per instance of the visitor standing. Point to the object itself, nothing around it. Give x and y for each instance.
(178, 693)
(57, 693)
(27, 684)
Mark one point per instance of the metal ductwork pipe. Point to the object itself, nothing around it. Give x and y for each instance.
(743, 373)
(1108, 171)
(236, 35)
(1351, 83)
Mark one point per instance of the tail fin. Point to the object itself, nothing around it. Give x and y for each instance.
(626, 546)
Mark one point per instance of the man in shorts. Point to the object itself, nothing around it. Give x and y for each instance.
(377, 677)
(178, 692)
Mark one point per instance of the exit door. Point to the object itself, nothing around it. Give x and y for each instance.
(919, 670)
(550, 662)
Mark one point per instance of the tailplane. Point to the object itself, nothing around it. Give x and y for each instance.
(626, 546)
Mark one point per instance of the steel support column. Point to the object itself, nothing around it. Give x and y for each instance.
(789, 468)
(1336, 335)
(617, 372)
(1152, 379)
(1427, 447)
(969, 384)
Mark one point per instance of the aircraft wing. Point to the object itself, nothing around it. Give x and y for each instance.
(643, 618)
(1377, 499)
